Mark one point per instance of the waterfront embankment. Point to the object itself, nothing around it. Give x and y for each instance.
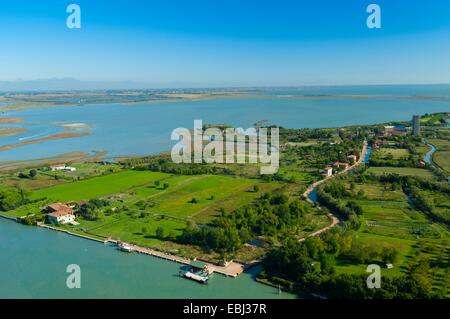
(231, 269)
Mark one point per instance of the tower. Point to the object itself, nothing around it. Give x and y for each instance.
(416, 125)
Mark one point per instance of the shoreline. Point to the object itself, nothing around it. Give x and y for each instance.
(56, 136)
(233, 269)
(192, 97)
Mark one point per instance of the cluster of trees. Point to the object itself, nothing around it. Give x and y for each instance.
(164, 186)
(31, 174)
(352, 286)
(425, 205)
(331, 195)
(220, 239)
(363, 253)
(414, 187)
(309, 268)
(419, 201)
(29, 219)
(421, 183)
(13, 197)
(273, 215)
(322, 154)
(302, 135)
(92, 210)
(163, 163)
(389, 161)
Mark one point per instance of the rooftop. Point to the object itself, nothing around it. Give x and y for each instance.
(197, 264)
(59, 207)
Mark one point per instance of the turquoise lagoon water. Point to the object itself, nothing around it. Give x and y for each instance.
(141, 129)
(33, 263)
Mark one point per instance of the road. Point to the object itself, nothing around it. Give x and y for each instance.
(334, 220)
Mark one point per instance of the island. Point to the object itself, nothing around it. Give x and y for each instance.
(344, 198)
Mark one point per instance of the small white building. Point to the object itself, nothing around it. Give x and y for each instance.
(328, 171)
(63, 168)
(60, 218)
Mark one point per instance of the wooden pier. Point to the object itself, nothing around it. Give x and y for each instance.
(232, 269)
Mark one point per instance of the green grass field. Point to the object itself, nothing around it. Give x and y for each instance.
(140, 204)
(98, 186)
(442, 155)
(380, 192)
(130, 229)
(443, 160)
(433, 119)
(405, 171)
(207, 189)
(396, 153)
(388, 220)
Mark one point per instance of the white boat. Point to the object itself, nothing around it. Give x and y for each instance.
(125, 247)
(197, 271)
(196, 277)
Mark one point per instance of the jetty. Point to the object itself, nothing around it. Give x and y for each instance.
(231, 269)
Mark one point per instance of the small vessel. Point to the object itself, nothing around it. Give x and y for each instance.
(125, 247)
(197, 271)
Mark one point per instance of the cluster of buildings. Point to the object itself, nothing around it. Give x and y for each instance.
(394, 130)
(401, 130)
(328, 170)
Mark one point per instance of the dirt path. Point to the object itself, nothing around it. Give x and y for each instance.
(334, 220)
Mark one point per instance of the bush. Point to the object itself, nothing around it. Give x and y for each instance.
(11, 198)
(160, 232)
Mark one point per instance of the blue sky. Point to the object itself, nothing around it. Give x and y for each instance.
(227, 42)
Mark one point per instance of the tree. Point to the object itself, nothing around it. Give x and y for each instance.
(11, 198)
(327, 263)
(92, 209)
(160, 232)
(390, 255)
(33, 173)
(166, 185)
(256, 188)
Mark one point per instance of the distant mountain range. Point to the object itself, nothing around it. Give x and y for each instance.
(71, 84)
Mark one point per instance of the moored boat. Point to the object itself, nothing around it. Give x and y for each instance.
(125, 247)
(197, 271)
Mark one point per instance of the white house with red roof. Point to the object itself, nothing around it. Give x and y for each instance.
(60, 214)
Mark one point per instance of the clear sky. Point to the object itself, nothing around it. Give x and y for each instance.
(227, 42)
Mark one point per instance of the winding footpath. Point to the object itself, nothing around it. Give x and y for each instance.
(334, 220)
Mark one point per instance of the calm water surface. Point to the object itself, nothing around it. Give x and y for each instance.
(141, 129)
(33, 264)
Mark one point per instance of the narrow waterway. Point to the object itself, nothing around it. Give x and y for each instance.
(428, 158)
(313, 195)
